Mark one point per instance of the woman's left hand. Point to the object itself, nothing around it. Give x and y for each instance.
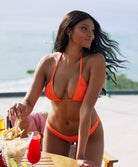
(85, 163)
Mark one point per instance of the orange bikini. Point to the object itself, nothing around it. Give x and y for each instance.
(79, 93)
(79, 90)
(71, 138)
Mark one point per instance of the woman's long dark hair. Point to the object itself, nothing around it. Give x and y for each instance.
(101, 44)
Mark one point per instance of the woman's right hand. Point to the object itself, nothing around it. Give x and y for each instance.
(83, 162)
(17, 110)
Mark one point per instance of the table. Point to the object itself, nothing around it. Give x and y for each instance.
(53, 160)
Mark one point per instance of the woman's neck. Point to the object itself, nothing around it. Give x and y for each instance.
(73, 54)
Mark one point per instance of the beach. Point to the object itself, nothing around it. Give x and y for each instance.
(119, 117)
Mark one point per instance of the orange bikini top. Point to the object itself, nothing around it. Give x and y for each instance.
(79, 90)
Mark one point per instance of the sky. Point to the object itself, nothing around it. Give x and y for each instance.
(113, 15)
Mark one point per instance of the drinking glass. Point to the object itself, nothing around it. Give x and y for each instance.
(2, 125)
(34, 149)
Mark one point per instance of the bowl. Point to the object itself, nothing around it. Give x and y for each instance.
(14, 149)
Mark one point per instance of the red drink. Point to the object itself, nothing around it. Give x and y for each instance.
(2, 125)
(34, 151)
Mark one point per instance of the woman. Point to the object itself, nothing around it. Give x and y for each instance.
(74, 77)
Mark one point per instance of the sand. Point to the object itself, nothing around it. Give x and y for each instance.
(119, 115)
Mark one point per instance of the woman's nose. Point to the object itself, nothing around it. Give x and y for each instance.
(90, 33)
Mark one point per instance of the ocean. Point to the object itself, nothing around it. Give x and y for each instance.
(21, 50)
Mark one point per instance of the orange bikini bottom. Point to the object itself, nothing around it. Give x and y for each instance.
(71, 138)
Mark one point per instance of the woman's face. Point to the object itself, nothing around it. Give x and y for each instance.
(83, 33)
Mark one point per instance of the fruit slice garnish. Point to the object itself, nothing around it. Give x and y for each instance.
(25, 164)
(39, 136)
(13, 162)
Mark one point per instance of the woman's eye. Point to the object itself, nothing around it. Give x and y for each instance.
(84, 28)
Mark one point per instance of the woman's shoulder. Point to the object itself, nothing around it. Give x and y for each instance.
(49, 59)
(94, 61)
(96, 58)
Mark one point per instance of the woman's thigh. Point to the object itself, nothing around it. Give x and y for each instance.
(95, 146)
(54, 144)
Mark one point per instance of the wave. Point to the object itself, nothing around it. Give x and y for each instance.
(20, 85)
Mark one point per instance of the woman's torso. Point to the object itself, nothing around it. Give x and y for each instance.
(66, 113)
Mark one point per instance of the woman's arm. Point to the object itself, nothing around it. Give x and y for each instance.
(96, 81)
(25, 108)
(36, 87)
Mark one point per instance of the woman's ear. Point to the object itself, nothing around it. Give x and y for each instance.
(69, 31)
